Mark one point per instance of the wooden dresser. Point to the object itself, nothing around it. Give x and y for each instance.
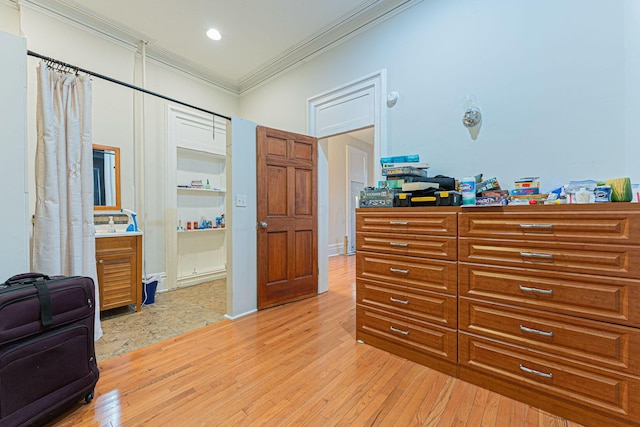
(548, 303)
(406, 283)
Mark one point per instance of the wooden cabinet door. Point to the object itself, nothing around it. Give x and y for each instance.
(117, 277)
(119, 266)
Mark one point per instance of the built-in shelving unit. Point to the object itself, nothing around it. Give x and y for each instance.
(196, 156)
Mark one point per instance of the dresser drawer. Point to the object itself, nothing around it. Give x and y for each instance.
(427, 306)
(432, 221)
(595, 297)
(610, 260)
(621, 228)
(610, 392)
(598, 343)
(418, 273)
(420, 336)
(417, 245)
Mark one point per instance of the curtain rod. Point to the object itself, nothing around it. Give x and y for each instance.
(112, 80)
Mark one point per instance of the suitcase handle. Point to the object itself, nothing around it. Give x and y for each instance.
(40, 282)
(25, 278)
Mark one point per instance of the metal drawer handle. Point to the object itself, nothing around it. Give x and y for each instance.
(535, 331)
(397, 270)
(533, 371)
(402, 245)
(536, 290)
(401, 301)
(400, 331)
(536, 226)
(399, 222)
(535, 255)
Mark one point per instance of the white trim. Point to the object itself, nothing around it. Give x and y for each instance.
(76, 20)
(10, 3)
(378, 83)
(237, 316)
(374, 85)
(336, 249)
(197, 279)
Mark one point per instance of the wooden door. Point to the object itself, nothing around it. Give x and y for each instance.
(287, 217)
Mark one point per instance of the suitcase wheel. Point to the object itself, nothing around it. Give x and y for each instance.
(89, 397)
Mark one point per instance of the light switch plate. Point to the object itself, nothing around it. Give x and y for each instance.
(241, 200)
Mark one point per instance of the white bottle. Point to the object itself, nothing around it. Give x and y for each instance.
(112, 225)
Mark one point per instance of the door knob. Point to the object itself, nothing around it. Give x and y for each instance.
(263, 224)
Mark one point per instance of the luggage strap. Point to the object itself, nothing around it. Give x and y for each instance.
(46, 312)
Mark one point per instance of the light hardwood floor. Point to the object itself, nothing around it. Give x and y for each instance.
(293, 365)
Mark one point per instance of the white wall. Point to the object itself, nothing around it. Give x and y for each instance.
(14, 250)
(549, 77)
(632, 87)
(242, 250)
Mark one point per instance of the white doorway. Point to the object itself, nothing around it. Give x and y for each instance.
(350, 165)
(355, 105)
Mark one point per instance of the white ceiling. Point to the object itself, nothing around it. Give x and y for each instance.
(260, 38)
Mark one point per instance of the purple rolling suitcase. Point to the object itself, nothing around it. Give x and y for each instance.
(47, 356)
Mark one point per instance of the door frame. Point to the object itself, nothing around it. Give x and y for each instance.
(350, 205)
(352, 106)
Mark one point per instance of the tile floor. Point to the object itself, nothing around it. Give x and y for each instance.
(173, 313)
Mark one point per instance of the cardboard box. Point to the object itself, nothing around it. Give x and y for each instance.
(377, 197)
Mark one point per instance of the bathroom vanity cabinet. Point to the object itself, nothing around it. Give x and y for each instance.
(119, 265)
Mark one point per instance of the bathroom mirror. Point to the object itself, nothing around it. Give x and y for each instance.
(106, 177)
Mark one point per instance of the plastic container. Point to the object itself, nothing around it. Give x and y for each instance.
(149, 287)
(583, 196)
(468, 190)
(602, 193)
(112, 225)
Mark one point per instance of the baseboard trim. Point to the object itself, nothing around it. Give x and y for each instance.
(336, 249)
(226, 316)
(197, 279)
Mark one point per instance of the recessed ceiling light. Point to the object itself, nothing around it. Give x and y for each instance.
(214, 34)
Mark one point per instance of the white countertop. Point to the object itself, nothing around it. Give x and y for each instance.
(101, 231)
(119, 234)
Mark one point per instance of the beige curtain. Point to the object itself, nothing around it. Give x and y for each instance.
(64, 234)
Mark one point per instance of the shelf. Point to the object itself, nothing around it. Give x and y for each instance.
(200, 230)
(207, 190)
(219, 155)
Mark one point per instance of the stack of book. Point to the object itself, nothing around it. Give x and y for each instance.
(399, 170)
(528, 186)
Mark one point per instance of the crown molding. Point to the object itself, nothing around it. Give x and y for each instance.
(202, 78)
(10, 3)
(349, 25)
(58, 11)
